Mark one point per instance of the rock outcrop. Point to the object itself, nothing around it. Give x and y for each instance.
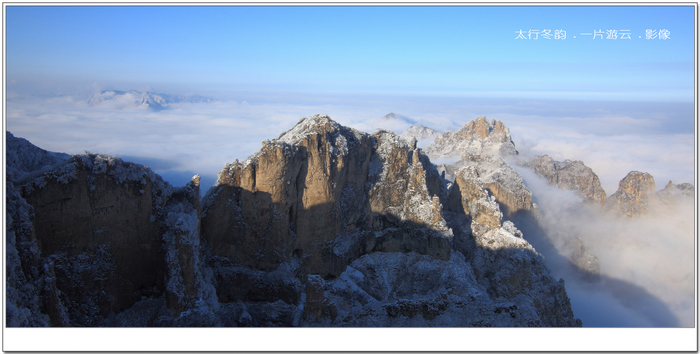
(633, 194)
(501, 180)
(477, 137)
(571, 175)
(469, 196)
(95, 236)
(23, 158)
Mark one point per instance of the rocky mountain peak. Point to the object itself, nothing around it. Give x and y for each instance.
(483, 129)
(674, 192)
(22, 157)
(477, 137)
(316, 124)
(633, 194)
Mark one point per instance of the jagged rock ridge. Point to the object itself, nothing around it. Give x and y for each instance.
(476, 137)
(504, 183)
(571, 175)
(299, 234)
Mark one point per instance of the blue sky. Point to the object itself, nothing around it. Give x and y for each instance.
(444, 51)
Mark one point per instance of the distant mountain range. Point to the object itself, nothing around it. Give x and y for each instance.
(146, 100)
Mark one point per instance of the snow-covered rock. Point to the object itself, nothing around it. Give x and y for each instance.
(419, 132)
(571, 175)
(633, 196)
(479, 137)
(499, 178)
(23, 158)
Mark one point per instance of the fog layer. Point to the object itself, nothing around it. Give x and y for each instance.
(647, 263)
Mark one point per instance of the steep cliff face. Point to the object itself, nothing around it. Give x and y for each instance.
(317, 194)
(24, 305)
(476, 137)
(99, 212)
(633, 196)
(96, 236)
(571, 175)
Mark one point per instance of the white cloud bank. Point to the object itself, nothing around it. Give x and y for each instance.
(202, 137)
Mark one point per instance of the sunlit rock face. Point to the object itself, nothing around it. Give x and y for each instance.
(633, 195)
(419, 132)
(571, 175)
(318, 194)
(477, 137)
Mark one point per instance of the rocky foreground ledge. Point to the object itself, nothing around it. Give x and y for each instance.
(324, 226)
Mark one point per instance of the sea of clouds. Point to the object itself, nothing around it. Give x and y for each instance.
(647, 265)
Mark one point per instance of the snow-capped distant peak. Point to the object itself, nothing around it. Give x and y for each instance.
(144, 100)
(419, 132)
